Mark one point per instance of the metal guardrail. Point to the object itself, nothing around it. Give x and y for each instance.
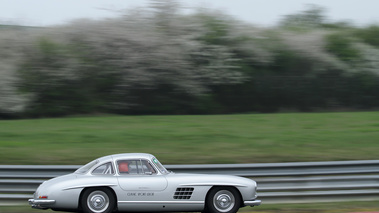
(277, 182)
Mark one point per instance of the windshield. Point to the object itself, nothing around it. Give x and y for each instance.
(160, 166)
(84, 169)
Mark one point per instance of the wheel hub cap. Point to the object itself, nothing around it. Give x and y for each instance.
(98, 201)
(223, 201)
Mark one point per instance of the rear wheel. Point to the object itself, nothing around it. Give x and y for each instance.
(98, 200)
(223, 200)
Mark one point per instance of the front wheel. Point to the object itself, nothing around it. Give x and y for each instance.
(98, 200)
(223, 200)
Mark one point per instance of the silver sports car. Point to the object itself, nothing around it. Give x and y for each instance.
(139, 183)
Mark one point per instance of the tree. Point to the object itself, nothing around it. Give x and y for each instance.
(342, 45)
(133, 63)
(369, 35)
(312, 17)
(12, 102)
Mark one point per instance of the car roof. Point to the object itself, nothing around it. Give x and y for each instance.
(116, 157)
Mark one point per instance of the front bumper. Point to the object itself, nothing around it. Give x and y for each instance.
(252, 203)
(40, 204)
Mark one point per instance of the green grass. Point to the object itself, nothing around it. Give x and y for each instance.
(244, 138)
(342, 207)
(338, 207)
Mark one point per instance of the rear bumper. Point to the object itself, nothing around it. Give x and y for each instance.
(40, 204)
(252, 203)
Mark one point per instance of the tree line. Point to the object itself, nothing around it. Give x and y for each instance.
(159, 60)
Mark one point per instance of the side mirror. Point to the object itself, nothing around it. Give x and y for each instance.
(148, 173)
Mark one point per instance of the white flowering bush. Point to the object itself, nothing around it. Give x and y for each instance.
(159, 60)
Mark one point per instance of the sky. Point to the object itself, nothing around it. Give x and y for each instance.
(258, 12)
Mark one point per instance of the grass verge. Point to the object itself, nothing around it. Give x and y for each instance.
(243, 138)
(342, 207)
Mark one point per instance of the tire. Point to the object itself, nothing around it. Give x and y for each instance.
(223, 200)
(98, 200)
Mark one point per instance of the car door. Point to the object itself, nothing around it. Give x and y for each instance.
(139, 176)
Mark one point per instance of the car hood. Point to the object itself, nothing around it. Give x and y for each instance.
(207, 179)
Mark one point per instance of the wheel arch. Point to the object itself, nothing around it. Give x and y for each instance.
(96, 187)
(225, 186)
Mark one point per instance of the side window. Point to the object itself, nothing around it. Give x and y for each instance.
(135, 167)
(104, 169)
(147, 167)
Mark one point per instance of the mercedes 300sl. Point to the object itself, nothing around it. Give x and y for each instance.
(138, 182)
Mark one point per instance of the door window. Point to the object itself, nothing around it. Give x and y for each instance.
(135, 167)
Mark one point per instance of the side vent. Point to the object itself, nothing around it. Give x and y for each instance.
(183, 193)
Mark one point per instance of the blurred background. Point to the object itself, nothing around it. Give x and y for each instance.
(160, 57)
(192, 82)
(206, 71)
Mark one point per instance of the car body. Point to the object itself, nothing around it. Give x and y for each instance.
(138, 182)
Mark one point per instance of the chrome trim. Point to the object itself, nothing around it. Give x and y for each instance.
(166, 202)
(89, 185)
(38, 204)
(252, 203)
(213, 184)
(33, 201)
